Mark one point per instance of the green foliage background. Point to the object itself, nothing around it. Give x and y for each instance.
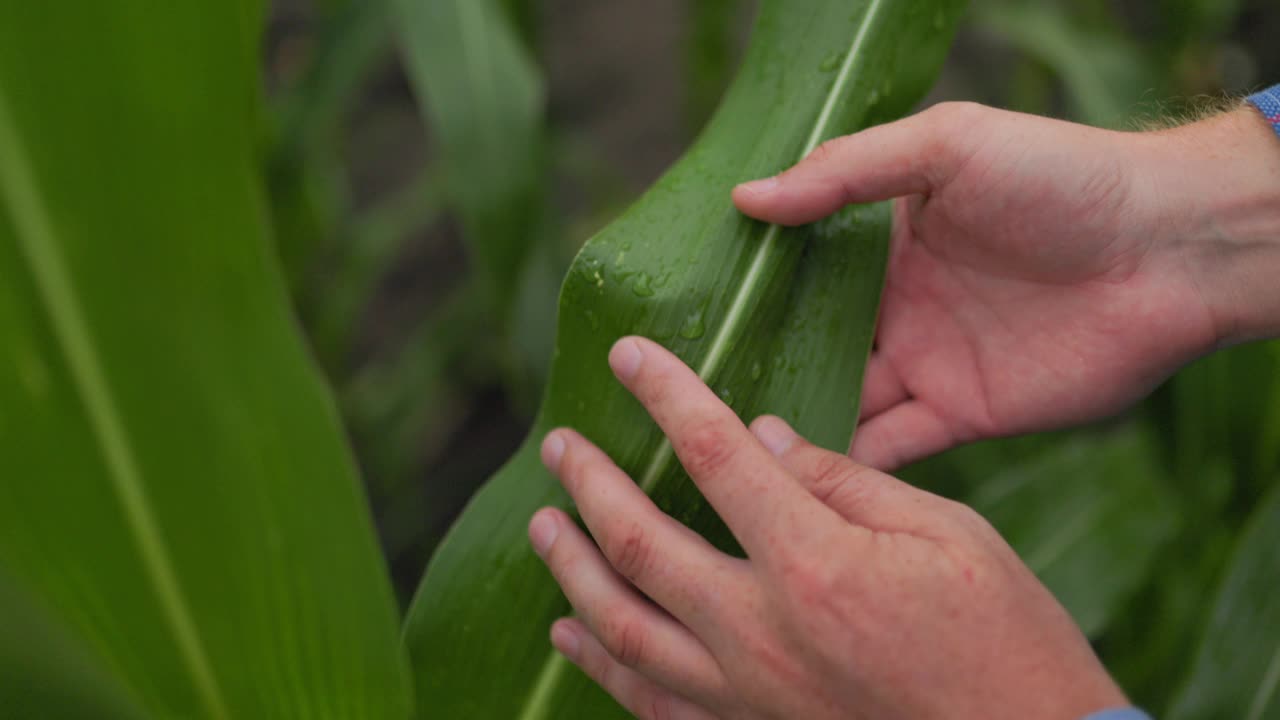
(1132, 523)
(422, 172)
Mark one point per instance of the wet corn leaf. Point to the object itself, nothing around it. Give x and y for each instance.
(775, 320)
(177, 503)
(1237, 671)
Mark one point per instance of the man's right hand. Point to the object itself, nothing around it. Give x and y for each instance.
(1044, 273)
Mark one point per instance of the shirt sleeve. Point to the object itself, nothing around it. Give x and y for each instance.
(1268, 103)
(1119, 714)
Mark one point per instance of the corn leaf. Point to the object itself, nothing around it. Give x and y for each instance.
(1237, 671)
(483, 96)
(62, 681)
(775, 320)
(1104, 74)
(1088, 516)
(177, 503)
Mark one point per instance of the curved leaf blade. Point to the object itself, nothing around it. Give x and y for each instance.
(775, 320)
(176, 497)
(1237, 671)
(1088, 516)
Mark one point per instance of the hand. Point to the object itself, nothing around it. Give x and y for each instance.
(861, 597)
(1042, 273)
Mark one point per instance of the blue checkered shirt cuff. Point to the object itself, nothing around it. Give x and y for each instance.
(1119, 714)
(1268, 103)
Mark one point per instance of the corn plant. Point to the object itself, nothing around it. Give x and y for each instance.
(775, 320)
(182, 531)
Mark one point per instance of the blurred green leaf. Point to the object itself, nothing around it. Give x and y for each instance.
(306, 178)
(709, 55)
(483, 96)
(1088, 516)
(403, 407)
(63, 681)
(366, 247)
(1105, 75)
(175, 493)
(774, 320)
(1224, 407)
(1237, 670)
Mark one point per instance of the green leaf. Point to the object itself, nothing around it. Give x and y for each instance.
(710, 52)
(775, 320)
(304, 168)
(176, 497)
(1088, 516)
(1104, 74)
(1237, 671)
(63, 680)
(483, 96)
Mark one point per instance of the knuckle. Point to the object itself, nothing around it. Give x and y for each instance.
(630, 551)
(658, 707)
(971, 522)
(808, 583)
(835, 478)
(576, 467)
(956, 113)
(705, 449)
(600, 668)
(762, 663)
(828, 151)
(626, 638)
(562, 560)
(949, 122)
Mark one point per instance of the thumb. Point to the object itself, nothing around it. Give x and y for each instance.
(861, 495)
(915, 156)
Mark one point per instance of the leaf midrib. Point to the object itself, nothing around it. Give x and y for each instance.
(38, 245)
(538, 704)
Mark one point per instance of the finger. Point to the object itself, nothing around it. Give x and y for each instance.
(903, 434)
(881, 387)
(862, 495)
(757, 499)
(637, 634)
(643, 697)
(668, 562)
(914, 156)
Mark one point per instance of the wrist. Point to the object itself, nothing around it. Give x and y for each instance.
(1216, 201)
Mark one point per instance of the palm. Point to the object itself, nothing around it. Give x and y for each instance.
(1019, 300)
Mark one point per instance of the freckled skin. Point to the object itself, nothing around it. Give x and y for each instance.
(1043, 273)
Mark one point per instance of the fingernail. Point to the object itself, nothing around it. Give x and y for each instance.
(774, 433)
(625, 358)
(543, 530)
(552, 451)
(565, 638)
(760, 187)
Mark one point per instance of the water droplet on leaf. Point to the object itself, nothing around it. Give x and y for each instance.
(643, 285)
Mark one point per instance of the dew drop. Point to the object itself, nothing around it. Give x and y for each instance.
(831, 62)
(643, 285)
(757, 371)
(693, 327)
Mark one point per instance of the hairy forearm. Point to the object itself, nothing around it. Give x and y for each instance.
(1216, 187)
